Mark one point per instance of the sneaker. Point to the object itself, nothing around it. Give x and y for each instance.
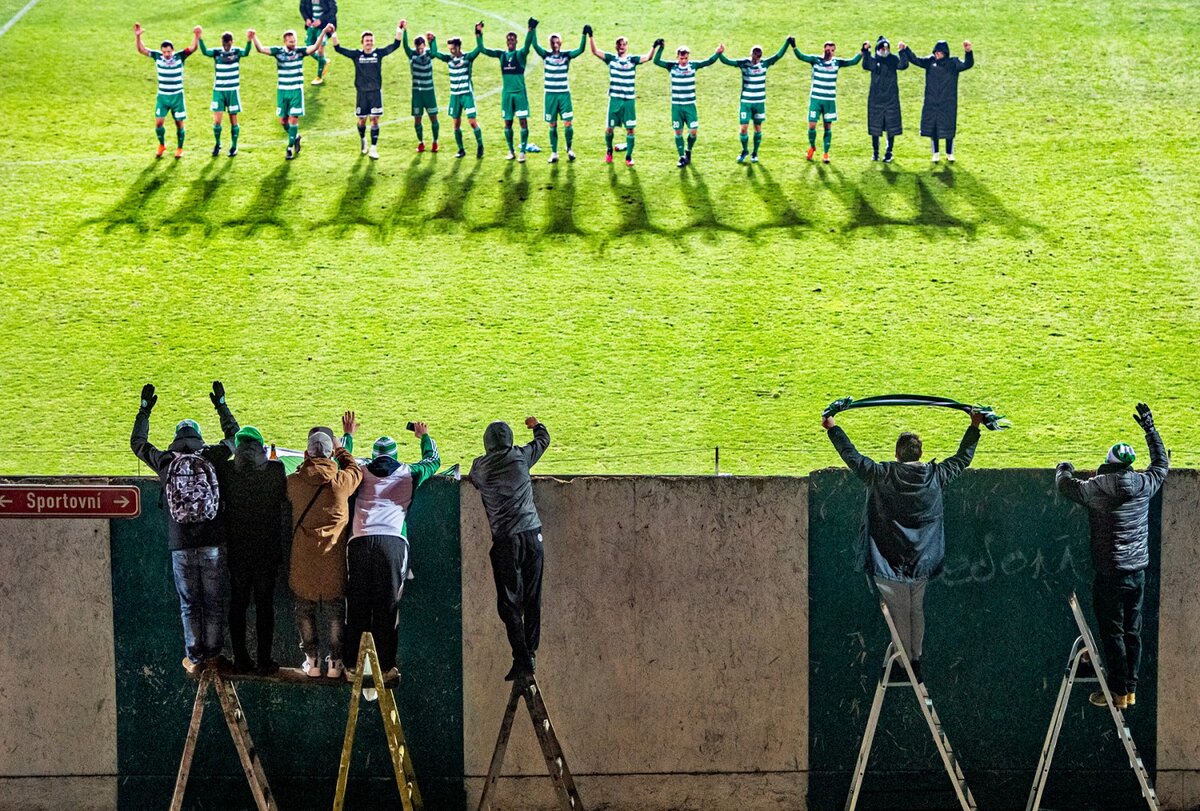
(232, 151)
(607, 157)
(290, 153)
(311, 667)
(1121, 702)
(531, 147)
(875, 156)
(333, 668)
(179, 152)
(570, 154)
(162, 148)
(887, 158)
(825, 158)
(682, 162)
(754, 158)
(553, 158)
(191, 667)
(812, 150)
(421, 147)
(434, 148)
(297, 147)
(216, 150)
(629, 161)
(462, 153)
(950, 157)
(362, 142)
(934, 158)
(687, 156)
(509, 155)
(742, 158)
(521, 158)
(318, 80)
(373, 154)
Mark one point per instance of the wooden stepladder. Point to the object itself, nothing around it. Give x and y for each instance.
(1085, 644)
(895, 652)
(556, 761)
(402, 765)
(235, 719)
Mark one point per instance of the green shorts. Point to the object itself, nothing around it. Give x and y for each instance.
(311, 35)
(622, 113)
(170, 103)
(462, 104)
(558, 105)
(289, 103)
(822, 109)
(514, 104)
(753, 112)
(424, 101)
(227, 101)
(684, 117)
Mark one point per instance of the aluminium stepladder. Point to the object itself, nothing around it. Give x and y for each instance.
(556, 761)
(1085, 644)
(895, 652)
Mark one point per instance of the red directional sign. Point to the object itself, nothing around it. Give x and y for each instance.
(69, 501)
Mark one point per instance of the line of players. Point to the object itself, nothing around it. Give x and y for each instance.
(938, 118)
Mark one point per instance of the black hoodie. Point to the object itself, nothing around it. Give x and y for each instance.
(254, 507)
(502, 477)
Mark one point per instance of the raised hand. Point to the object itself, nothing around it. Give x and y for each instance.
(350, 423)
(900, 45)
(967, 45)
(137, 29)
(587, 30)
(866, 47)
(149, 398)
(1143, 417)
(791, 42)
(531, 422)
(827, 423)
(976, 418)
(402, 24)
(197, 30)
(721, 48)
(533, 23)
(250, 33)
(479, 27)
(659, 43)
(420, 429)
(218, 393)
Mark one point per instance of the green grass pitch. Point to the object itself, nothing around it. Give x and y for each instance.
(646, 316)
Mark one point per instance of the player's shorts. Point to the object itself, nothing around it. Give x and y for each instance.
(170, 103)
(684, 117)
(755, 112)
(424, 101)
(558, 105)
(369, 102)
(311, 35)
(227, 101)
(514, 104)
(289, 102)
(622, 113)
(462, 104)
(822, 109)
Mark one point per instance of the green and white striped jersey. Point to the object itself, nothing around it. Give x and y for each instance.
(621, 75)
(170, 72)
(318, 9)
(754, 75)
(460, 71)
(421, 65)
(557, 65)
(825, 73)
(227, 73)
(683, 77)
(290, 67)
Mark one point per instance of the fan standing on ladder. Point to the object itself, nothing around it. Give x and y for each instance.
(1118, 503)
(502, 477)
(903, 539)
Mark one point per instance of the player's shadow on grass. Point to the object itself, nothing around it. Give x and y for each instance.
(781, 213)
(630, 204)
(699, 200)
(264, 210)
(351, 211)
(130, 209)
(406, 208)
(458, 190)
(514, 194)
(193, 210)
(560, 202)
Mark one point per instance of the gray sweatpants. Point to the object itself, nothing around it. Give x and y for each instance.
(906, 603)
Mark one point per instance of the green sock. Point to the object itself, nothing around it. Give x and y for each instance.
(321, 65)
(524, 138)
(436, 128)
(217, 133)
(608, 141)
(812, 137)
(629, 139)
(679, 145)
(179, 133)
(828, 138)
(745, 139)
(554, 139)
(284, 124)
(293, 133)
(420, 130)
(458, 138)
(570, 132)
(691, 140)
(234, 131)
(161, 132)
(508, 138)
(757, 142)
(478, 136)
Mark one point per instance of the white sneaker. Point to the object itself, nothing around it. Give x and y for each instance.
(365, 148)
(935, 158)
(553, 158)
(570, 154)
(521, 158)
(333, 668)
(509, 156)
(374, 153)
(950, 157)
(311, 667)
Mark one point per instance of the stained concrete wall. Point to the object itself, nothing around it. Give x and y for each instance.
(674, 644)
(57, 675)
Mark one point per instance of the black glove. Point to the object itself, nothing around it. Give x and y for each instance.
(791, 42)
(149, 398)
(658, 43)
(533, 22)
(218, 394)
(1144, 418)
(1067, 466)
(587, 30)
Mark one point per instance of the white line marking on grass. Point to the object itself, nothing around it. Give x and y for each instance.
(504, 20)
(16, 17)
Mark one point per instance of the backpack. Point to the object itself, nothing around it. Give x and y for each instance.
(191, 489)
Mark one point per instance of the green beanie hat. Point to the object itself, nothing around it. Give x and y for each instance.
(384, 446)
(249, 433)
(1121, 454)
(186, 426)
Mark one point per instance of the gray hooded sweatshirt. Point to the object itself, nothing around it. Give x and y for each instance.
(502, 477)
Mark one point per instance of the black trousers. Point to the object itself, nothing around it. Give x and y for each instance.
(377, 566)
(517, 570)
(257, 584)
(1117, 601)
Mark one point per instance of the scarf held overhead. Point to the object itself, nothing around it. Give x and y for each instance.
(992, 420)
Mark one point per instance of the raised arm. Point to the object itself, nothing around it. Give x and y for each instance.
(433, 51)
(541, 440)
(537, 48)
(320, 43)
(191, 49)
(861, 466)
(849, 63)
(771, 60)
(229, 425)
(1159, 461)
(703, 63)
(737, 63)
(578, 52)
(139, 439)
(258, 46)
(430, 461)
(920, 61)
(203, 50)
(1076, 490)
(249, 47)
(480, 49)
(656, 55)
(599, 54)
(404, 40)
(528, 43)
(137, 39)
(803, 57)
(868, 60)
(393, 45)
(968, 60)
(951, 468)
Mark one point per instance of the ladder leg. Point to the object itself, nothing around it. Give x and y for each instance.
(497, 764)
(235, 718)
(189, 745)
(410, 795)
(556, 761)
(1042, 774)
(864, 751)
(339, 796)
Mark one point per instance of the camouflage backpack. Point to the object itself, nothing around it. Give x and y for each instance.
(191, 489)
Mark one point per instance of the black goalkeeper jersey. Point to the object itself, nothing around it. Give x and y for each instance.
(367, 73)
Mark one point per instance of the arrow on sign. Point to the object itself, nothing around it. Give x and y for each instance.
(3, 501)
(122, 501)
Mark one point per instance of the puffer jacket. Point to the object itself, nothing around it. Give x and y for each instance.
(318, 567)
(1118, 503)
(502, 477)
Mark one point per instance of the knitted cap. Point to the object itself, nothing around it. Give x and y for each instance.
(1121, 454)
(186, 426)
(384, 446)
(248, 434)
(320, 446)
(882, 42)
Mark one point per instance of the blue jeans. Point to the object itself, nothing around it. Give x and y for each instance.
(199, 579)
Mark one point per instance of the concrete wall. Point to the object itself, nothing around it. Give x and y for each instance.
(674, 645)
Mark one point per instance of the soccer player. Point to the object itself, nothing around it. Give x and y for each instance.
(289, 92)
(227, 84)
(368, 82)
(318, 15)
(753, 108)
(683, 96)
(170, 86)
(514, 100)
(939, 113)
(883, 100)
(424, 100)
(822, 101)
(462, 91)
(558, 91)
(622, 104)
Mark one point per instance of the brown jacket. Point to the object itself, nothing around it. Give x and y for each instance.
(318, 570)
